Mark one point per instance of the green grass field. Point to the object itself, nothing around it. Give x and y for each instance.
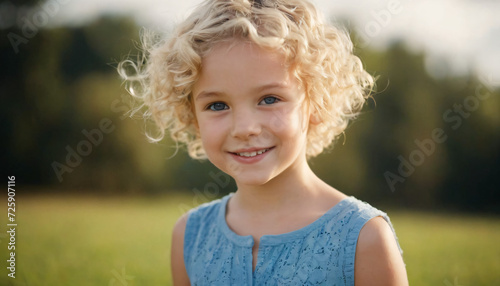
(63, 240)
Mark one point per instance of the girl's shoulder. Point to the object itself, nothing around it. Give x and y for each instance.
(355, 214)
(361, 209)
(349, 217)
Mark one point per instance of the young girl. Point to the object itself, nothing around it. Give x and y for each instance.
(258, 87)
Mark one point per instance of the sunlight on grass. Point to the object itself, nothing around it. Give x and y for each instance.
(444, 247)
(125, 241)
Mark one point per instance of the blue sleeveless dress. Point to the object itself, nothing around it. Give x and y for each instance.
(321, 253)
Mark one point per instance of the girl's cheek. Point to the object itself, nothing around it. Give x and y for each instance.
(286, 120)
(278, 119)
(206, 127)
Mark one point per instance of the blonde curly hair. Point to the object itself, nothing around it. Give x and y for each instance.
(321, 57)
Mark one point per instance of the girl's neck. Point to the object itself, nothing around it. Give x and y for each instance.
(288, 191)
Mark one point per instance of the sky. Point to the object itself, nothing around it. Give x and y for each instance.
(463, 34)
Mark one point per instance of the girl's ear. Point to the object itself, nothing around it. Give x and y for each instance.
(314, 118)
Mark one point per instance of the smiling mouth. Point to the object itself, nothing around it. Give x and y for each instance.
(253, 154)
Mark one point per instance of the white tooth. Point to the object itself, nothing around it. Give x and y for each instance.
(252, 154)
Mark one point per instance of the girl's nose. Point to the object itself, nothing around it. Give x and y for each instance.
(245, 124)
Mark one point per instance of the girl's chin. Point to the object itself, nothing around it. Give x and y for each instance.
(251, 180)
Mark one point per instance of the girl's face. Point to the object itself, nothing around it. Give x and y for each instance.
(251, 113)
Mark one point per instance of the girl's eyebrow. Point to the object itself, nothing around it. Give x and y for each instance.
(204, 94)
(272, 86)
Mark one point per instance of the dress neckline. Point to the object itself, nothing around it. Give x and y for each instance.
(247, 241)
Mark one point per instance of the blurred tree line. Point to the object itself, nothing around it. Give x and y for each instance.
(421, 141)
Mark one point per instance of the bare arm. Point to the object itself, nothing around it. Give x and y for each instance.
(179, 273)
(378, 261)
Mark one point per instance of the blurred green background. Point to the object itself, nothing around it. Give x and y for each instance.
(95, 202)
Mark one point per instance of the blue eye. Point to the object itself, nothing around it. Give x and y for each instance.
(269, 100)
(217, 106)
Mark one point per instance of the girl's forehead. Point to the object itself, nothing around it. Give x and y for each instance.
(243, 57)
(243, 65)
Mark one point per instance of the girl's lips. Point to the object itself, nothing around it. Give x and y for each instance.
(249, 156)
